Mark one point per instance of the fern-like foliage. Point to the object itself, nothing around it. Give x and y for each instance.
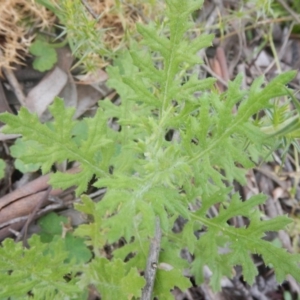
(155, 176)
(41, 270)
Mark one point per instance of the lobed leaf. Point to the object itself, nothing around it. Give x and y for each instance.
(179, 148)
(40, 269)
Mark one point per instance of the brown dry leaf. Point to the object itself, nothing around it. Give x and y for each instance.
(22, 201)
(43, 94)
(64, 58)
(69, 92)
(87, 97)
(92, 77)
(64, 62)
(219, 66)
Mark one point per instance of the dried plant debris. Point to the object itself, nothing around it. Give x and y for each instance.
(119, 18)
(19, 19)
(96, 29)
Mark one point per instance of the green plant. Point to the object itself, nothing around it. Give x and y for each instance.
(2, 168)
(45, 54)
(150, 176)
(98, 30)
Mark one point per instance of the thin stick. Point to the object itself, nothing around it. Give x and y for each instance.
(11, 78)
(43, 200)
(289, 10)
(210, 71)
(152, 263)
(89, 9)
(50, 207)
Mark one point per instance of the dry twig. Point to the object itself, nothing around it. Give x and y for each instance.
(152, 263)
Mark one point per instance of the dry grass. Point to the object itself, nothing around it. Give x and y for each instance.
(22, 19)
(18, 24)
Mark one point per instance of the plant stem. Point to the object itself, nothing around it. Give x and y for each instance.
(152, 262)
